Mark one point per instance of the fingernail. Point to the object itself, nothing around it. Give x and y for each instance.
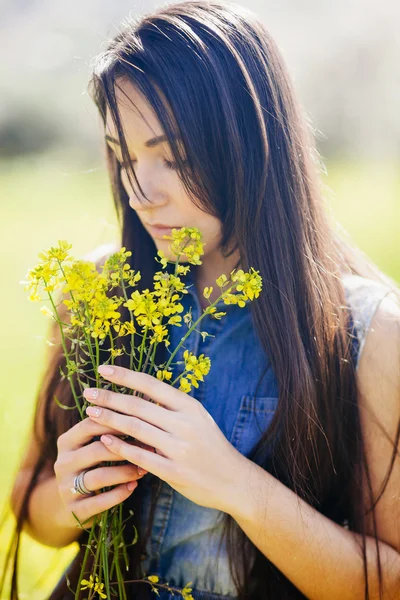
(93, 411)
(106, 440)
(91, 393)
(131, 485)
(105, 370)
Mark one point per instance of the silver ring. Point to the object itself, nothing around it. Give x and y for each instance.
(79, 485)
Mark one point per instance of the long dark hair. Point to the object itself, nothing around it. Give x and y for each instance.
(248, 157)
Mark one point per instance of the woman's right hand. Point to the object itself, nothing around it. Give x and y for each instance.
(76, 454)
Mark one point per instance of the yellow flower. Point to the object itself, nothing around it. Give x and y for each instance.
(98, 587)
(163, 260)
(184, 385)
(87, 584)
(59, 253)
(34, 297)
(181, 270)
(249, 283)
(153, 578)
(160, 332)
(116, 352)
(218, 315)
(91, 584)
(46, 311)
(195, 368)
(47, 275)
(175, 321)
(162, 375)
(77, 322)
(207, 292)
(188, 241)
(186, 595)
(126, 328)
(221, 281)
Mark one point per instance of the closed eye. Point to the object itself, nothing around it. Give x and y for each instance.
(169, 164)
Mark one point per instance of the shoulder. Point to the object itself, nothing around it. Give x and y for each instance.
(378, 375)
(101, 252)
(366, 299)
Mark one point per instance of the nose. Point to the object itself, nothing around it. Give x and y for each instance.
(148, 183)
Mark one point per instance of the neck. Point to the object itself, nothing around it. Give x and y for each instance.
(211, 268)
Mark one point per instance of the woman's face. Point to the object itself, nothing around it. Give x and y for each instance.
(168, 202)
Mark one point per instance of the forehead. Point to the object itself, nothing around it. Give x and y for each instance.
(138, 119)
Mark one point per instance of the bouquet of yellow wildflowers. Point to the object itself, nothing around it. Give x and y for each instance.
(93, 318)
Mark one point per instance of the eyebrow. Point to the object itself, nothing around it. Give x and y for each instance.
(149, 144)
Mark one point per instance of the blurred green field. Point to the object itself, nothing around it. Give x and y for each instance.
(44, 201)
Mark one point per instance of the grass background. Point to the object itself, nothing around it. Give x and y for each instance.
(44, 201)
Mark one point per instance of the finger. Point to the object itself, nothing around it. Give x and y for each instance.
(147, 411)
(132, 426)
(80, 434)
(159, 391)
(96, 479)
(94, 505)
(84, 458)
(161, 466)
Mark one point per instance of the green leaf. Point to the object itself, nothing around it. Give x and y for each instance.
(135, 539)
(80, 523)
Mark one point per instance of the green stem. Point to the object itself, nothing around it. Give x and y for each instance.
(100, 543)
(104, 556)
(96, 341)
(142, 349)
(133, 354)
(153, 358)
(82, 572)
(64, 345)
(206, 311)
(88, 338)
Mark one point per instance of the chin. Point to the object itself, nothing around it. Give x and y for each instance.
(168, 254)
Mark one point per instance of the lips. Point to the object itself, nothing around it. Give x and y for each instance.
(160, 230)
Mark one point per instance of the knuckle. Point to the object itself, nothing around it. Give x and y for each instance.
(60, 442)
(173, 471)
(123, 375)
(121, 493)
(94, 452)
(183, 450)
(61, 462)
(135, 427)
(106, 416)
(107, 397)
(198, 408)
(56, 467)
(135, 404)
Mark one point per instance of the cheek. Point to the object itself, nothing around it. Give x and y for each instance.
(212, 233)
(125, 182)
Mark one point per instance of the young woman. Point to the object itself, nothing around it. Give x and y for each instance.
(291, 488)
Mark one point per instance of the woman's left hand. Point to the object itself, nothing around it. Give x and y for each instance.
(191, 453)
